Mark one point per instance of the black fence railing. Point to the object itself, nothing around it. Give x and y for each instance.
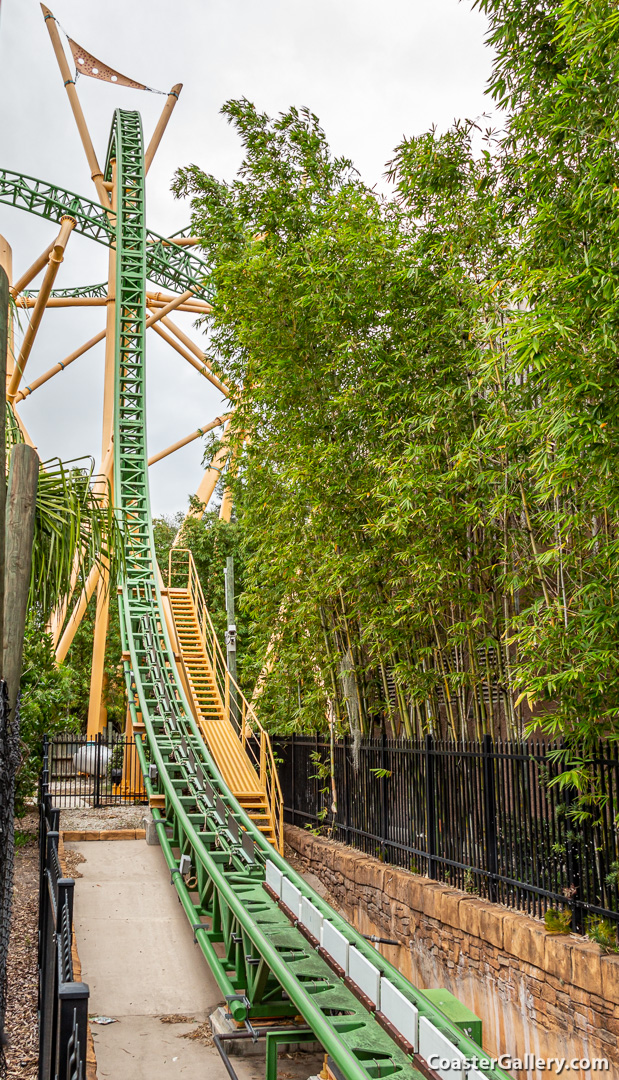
(63, 1002)
(104, 771)
(482, 816)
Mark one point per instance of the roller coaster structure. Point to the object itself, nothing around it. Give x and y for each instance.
(277, 950)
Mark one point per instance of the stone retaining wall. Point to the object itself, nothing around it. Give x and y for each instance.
(536, 992)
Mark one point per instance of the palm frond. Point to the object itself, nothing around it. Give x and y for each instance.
(75, 529)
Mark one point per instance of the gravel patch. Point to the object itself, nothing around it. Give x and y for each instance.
(106, 817)
(22, 1053)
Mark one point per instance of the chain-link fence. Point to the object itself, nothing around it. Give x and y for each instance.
(9, 762)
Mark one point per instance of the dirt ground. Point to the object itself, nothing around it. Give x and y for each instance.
(21, 1019)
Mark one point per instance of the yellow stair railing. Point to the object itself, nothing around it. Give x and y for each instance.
(254, 741)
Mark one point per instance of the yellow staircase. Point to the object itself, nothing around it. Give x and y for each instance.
(244, 757)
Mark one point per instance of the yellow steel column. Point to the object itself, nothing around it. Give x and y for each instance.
(97, 714)
(6, 262)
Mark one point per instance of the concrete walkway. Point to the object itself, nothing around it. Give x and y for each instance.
(139, 960)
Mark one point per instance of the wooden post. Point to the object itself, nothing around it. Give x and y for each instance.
(20, 514)
(74, 101)
(162, 124)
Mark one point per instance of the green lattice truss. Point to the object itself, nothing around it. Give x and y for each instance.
(272, 966)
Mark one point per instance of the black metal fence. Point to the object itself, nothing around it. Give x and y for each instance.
(482, 816)
(63, 1002)
(103, 771)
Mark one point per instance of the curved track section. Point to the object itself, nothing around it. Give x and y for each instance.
(277, 950)
(167, 263)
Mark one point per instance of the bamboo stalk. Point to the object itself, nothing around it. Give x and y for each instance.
(188, 438)
(55, 259)
(162, 124)
(74, 101)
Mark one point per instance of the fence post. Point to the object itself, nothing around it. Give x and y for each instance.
(573, 869)
(72, 1023)
(430, 805)
(490, 817)
(97, 791)
(48, 966)
(293, 803)
(346, 789)
(383, 800)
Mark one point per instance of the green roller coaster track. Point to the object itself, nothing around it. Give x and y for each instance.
(271, 965)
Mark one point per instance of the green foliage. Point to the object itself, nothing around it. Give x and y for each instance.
(426, 441)
(45, 697)
(558, 922)
(211, 542)
(603, 932)
(612, 877)
(75, 527)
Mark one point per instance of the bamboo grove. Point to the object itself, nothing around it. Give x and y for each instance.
(425, 445)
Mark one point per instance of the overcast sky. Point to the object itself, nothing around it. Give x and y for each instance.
(373, 73)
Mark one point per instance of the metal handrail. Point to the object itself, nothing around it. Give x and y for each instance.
(181, 568)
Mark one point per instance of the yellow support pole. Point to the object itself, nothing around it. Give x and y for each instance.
(56, 622)
(95, 711)
(225, 510)
(208, 482)
(187, 342)
(74, 101)
(63, 301)
(162, 124)
(201, 367)
(32, 271)
(6, 262)
(62, 364)
(110, 344)
(77, 614)
(188, 438)
(55, 259)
